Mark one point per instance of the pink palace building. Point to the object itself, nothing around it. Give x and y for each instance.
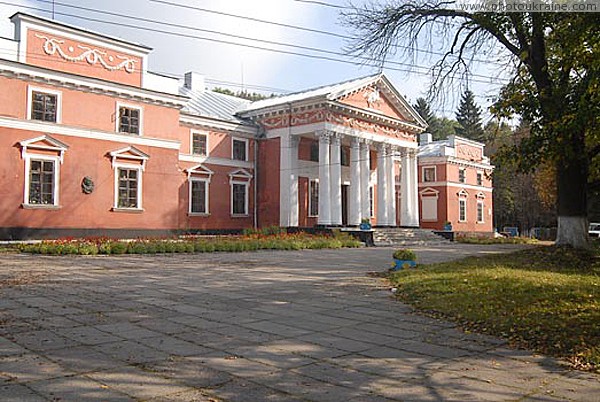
(95, 144)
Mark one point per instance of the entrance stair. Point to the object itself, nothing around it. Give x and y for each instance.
(406, 237)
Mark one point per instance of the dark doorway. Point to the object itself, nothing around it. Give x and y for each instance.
(345, 204)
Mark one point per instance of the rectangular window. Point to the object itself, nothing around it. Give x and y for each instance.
(314, 151)
(429, 174)
(44, 106)
(480, 211)
(479, 178)
(429, 208)
(129, 120)
(239, 149)
(42, 182)
(199, 197)
(199, 144)
(461, 175)
(345, 156)
(313, 205)
(127, 187)
(239, 199)
(462, 210)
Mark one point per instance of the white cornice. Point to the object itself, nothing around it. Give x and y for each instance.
(455, 185)
(217, 124)
(29, 73)
(434, 160)
(213, 160)
(375, 116)
(51, 128)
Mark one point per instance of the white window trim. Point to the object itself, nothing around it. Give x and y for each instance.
(245, 140)
(57, 161)
(479, 172)
(206, 182)
(480, 202)
(434, 173)
(31, 90)
(204, 133)
(310, 181)
(464, 175)
(118, 120)
(462, 199)
(247, 185)
(140, 169)
(429, 193)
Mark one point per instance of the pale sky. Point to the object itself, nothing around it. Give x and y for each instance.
(258, 70)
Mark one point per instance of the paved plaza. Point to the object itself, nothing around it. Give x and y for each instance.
(262, 326)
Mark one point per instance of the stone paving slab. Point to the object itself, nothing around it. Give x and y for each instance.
(264, 326)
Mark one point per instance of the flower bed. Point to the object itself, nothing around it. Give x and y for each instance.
(249, 242)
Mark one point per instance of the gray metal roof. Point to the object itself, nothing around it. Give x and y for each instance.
(214, 105)
(329, 91)
(435, 148)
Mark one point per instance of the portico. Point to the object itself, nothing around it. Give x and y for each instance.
(347, 154)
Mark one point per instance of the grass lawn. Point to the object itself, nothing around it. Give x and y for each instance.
(545, 298)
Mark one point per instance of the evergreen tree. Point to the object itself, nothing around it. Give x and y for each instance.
(469, 118)
(439, 128)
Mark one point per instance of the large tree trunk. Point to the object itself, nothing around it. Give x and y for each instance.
(572, 203)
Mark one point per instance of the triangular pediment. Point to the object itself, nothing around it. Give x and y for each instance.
(240, 174)
(429, 192)
(380, 97)
(44, 142)
(129, 153)
(199, 170)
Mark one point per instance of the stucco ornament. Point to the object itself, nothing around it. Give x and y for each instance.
(373, 98)
(52, 46)
(87, 185)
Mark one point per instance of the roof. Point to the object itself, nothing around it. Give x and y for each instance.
(213, 104)
(329, 91)
(336, 91)
(83, 31)
(435, 148)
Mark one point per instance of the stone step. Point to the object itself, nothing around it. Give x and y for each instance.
(406, 237)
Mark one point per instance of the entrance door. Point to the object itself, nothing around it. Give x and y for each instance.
(345, 204)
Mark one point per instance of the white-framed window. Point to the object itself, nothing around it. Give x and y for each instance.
(42, 156)
(199, 143)
(480, 178)
(462, 175)
(480, 208)
(199, 188)
(462, 209)
(128, 187)
(41, 180)
(239, 181)
(129, 119)
(239, 198)
(429, 173)
(44, 105)
(239, 149)
(313, 198)
(429, 204)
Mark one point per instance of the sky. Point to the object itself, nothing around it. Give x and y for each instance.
(178, 32)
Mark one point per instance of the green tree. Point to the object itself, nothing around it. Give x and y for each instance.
(468, 117)
(439, 127)
(244, 94)
(553, 58)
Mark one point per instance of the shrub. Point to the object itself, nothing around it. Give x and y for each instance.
(405, 254)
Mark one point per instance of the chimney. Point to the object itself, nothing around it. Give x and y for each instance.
(425, 138)
(194, 81)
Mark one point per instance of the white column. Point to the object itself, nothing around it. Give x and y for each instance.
(355, 196)
(293, 201)
(391, 199)
(365, 175)
(324, 180)
(285, 180)
(336, 179)
(405, 185)
(414, 200)
(382, 185)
